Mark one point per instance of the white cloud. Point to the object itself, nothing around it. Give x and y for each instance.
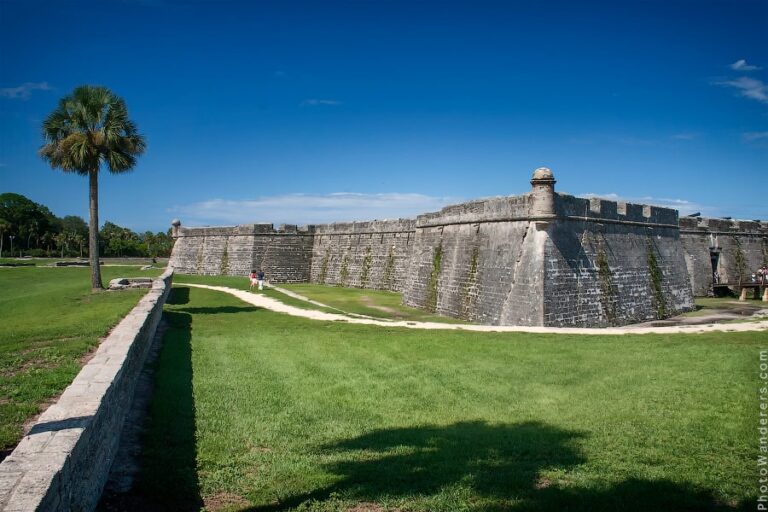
(24, 91)
(741, 65)
(309, 208)
(753, 136)
(683, 206)
(749, 88)
(313, 102)
(684, 136)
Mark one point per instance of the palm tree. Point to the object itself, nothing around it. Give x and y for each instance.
(90, 129)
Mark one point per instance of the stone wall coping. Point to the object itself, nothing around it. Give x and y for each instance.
(64, 460)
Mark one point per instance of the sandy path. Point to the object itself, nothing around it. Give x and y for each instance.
(277, 306)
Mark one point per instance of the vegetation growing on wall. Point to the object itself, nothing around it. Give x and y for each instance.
(389, 269)
(324, 267)
(366, 267)
(608, 294)
(739, 259)
(437, 261)
(656, 279)
(224, 262)
(468, 291)
(344, 272)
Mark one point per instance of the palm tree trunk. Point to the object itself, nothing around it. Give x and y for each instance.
(93, 229)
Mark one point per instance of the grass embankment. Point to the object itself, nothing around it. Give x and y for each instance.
(373, 303)
(50, 319)
(260, 411)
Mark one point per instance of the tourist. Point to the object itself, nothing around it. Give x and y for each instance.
(260, 278)
(254, 278)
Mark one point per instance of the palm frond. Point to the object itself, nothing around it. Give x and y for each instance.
(90, 127)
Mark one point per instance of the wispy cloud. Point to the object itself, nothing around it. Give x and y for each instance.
(684, 206)
(309, 208)
(24, 91)
(313, 102)
(753, 136)
(749, 88)
(684, 136)
(741, 65)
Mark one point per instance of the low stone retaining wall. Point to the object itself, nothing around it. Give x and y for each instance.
(64, 461)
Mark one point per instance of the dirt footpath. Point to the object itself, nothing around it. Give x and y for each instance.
(277, 306)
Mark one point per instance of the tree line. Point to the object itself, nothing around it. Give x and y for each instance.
(31, 229)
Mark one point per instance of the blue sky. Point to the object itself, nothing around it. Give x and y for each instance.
(319, 111)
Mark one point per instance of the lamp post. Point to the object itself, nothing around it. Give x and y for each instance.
(11, 237)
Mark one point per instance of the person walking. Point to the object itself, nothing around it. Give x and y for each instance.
(260, 279)
(253, 276)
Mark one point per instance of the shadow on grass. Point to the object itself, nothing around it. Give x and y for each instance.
(168, 480)
(179, 295)
(218, 310)
(500, 464)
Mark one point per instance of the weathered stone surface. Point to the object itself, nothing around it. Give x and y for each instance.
(740, 248)
(122, 283)
(63, 463)
(540, 258)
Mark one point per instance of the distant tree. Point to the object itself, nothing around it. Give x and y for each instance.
(80, 240)
(75, 225)
(28, 219)
(5, 226)
(61, 241)
(88, 130)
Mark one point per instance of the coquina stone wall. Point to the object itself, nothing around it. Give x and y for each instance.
(363, 254)
(64, 461)
(739, 248)
(609, 263)
(284, 254)
(588, 263)
(540, 258)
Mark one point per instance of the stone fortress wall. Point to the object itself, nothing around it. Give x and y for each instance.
(285, 253)
(733, 248)
(540, 258)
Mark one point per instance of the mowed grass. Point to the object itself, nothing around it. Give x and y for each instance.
(49, 319)
(374, 303)
(255, 410)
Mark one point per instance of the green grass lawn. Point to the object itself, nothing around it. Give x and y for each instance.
(711, 305)
(374, 303)
(49, 320)
(259, 411)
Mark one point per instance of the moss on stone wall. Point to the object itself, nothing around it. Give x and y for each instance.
(324, 267)
(607, 291)
(437, 262)
(469, 290)
(366, 268)
(344, 271)
(656, 278)
(224, 262)
(389, 270)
